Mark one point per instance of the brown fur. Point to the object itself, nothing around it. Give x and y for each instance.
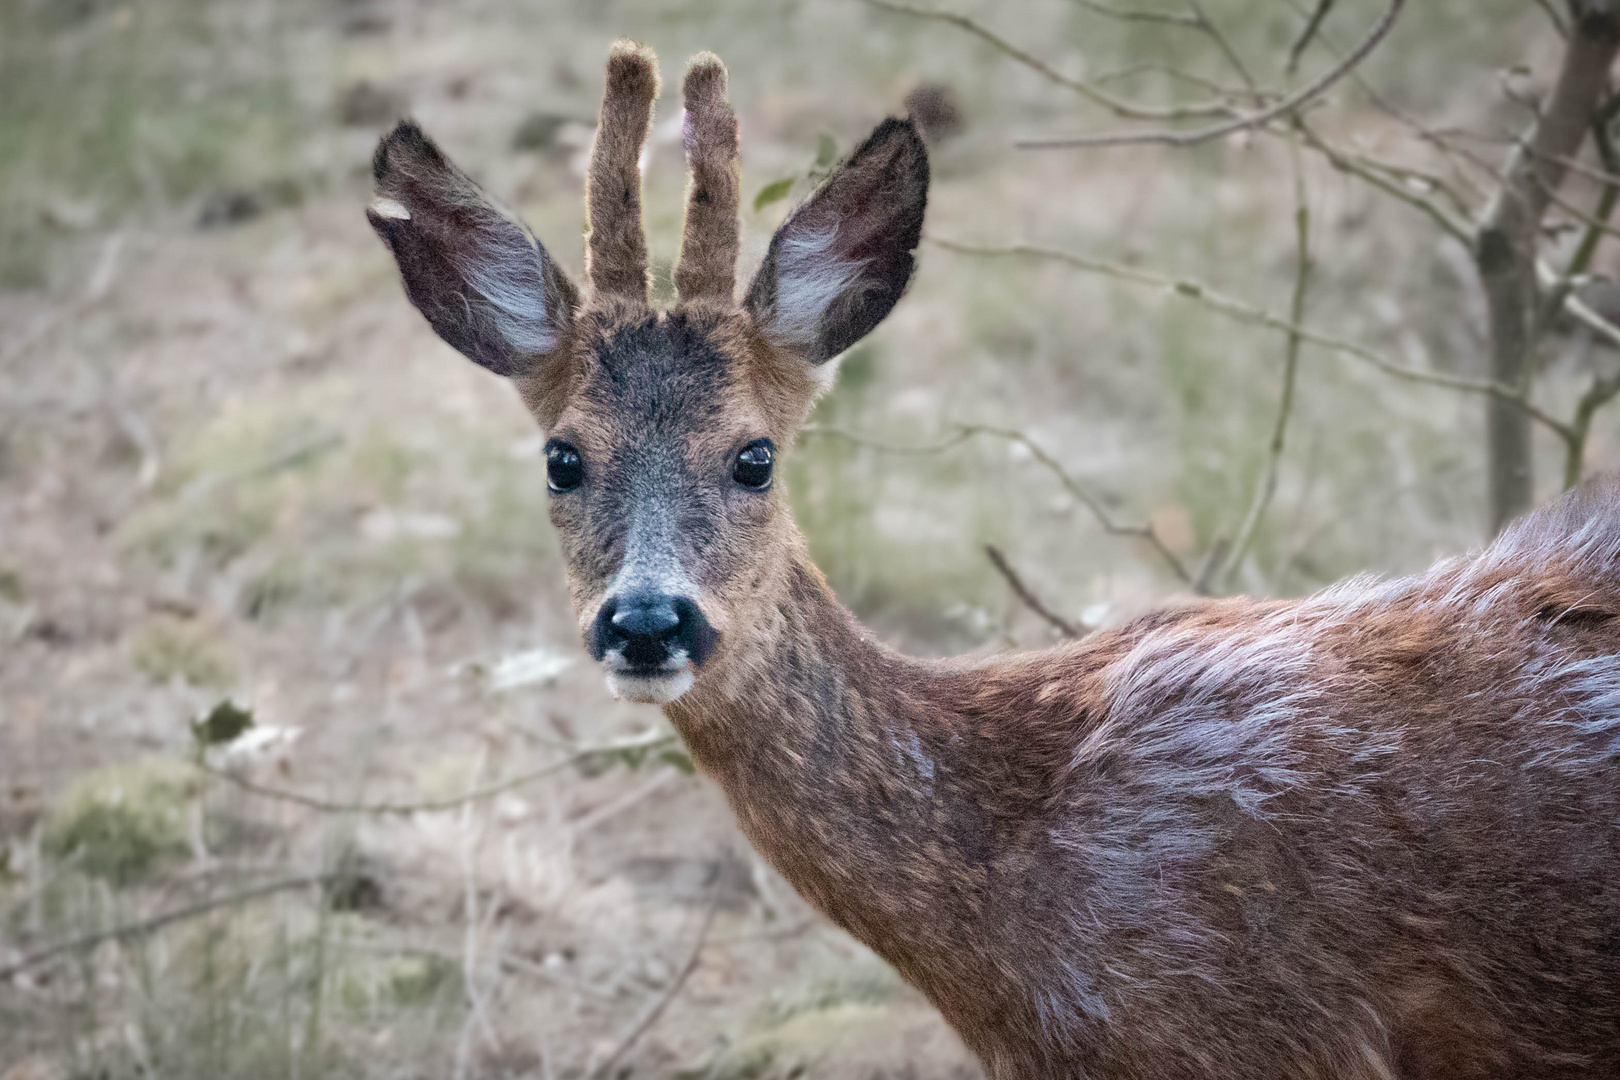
(1358, 835)
(708, 262)
(616, 249)
(1369, 834)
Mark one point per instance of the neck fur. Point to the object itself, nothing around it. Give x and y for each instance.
(809, 730)
(877, 784)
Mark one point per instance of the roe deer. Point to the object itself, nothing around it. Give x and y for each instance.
(1371, 833)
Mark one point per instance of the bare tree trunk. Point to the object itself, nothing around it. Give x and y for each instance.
(1505, 250)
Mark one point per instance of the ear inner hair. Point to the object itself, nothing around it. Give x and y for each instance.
(841, 261)
(484, 284)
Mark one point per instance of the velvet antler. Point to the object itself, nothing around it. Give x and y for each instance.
(708, 261)
(616, 248)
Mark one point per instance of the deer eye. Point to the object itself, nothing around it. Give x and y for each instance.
(564, 469)
(753, 467)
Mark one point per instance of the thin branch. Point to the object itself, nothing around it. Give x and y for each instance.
(1214, 558)
(1610, 156)
(1596, 229)
(1597, 222)
(1168, 18)
(1548, 279)
(1392, 171)
(1303, 42)
(1292, 103)
(1117, 105)
(1245, 312)
(157, 922)
(1024, 593)
(650, 1017)
(1266, 486)
(648, 741)
(1555, 18)
(964, 432)
(477, 1014)
(1575, 165)
(1213, 32)
(1598, 394)
(1168, 71)
(1358, 166)
(1424, 133)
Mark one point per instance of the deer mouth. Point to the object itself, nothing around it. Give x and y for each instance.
(657, 684)
(651, 644)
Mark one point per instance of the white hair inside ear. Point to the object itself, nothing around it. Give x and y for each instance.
(505, 275)
(810, 276)
(390, 208)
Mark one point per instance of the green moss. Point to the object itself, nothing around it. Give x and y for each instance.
(371, 983)
(186, 648)
(122, 821)
(11, 585)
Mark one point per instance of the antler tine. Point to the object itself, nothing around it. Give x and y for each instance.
(616, 248)
(708, 262)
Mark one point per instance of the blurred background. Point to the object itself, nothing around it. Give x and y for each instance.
(281, 614)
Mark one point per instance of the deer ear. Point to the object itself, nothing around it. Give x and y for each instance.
(484, 283)
(841, 260)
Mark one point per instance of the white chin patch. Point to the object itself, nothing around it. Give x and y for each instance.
(656, 689)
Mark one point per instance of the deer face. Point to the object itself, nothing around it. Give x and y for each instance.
(664, 427)
(661, 473)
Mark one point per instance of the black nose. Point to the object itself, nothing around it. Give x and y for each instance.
(649, 628)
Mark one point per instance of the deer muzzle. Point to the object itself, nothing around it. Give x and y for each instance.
(651, 644)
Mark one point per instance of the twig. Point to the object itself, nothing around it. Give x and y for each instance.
(650, 1017)
(964, 432)
(614, 807)
(1031, 601)
(1286, 105)
(1596, 228)
(156, 922)
(1599, 393)
(1266, 486)
(1168, 71)
(1591, 172)
(648, 741)
(1213, 559)
(1424, 132)
(1601, 390)
(473, 835)
(1245, 312)
(1555, 18)
(1119, 106)
(1306, 35)
(1595, 221)
(1603, 328)
(1168, 18)
(1361, 167)
(1207, 26)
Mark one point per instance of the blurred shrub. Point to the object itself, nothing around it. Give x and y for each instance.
(173, 647)
(121, 821)
(112, 108)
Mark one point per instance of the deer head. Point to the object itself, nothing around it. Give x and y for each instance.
(664, 426)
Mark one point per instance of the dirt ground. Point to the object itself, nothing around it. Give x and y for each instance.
(235, 465)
